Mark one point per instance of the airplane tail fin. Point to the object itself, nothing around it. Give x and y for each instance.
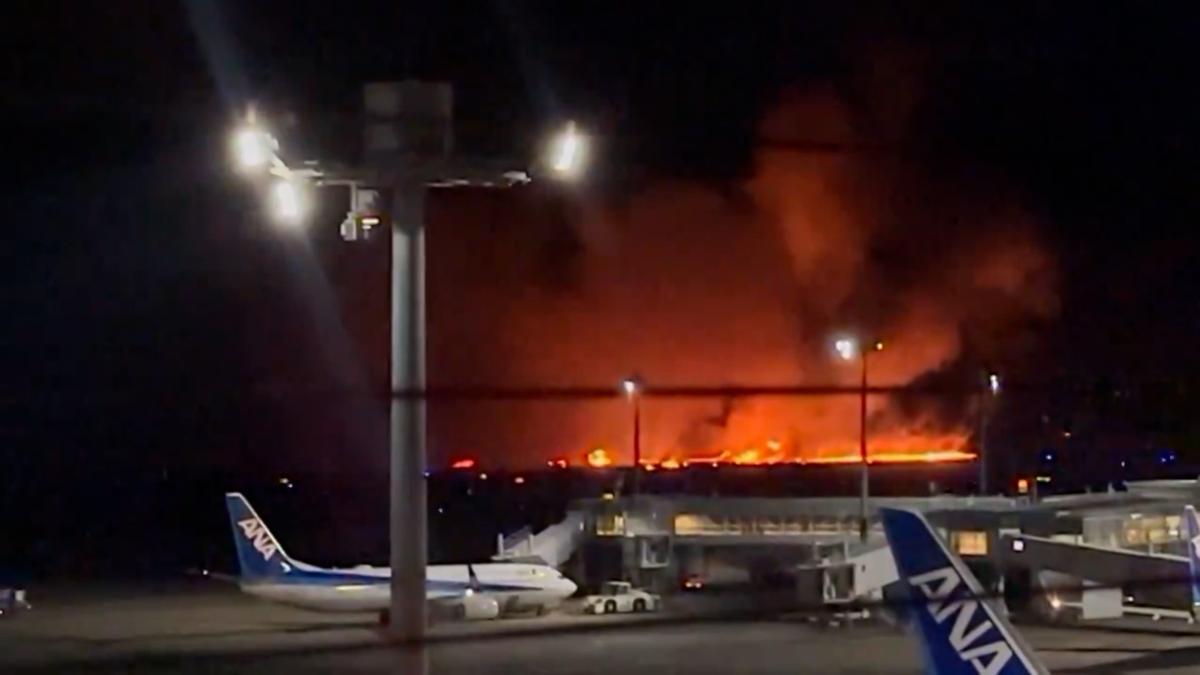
(960, 631)
(260, 556)
(1191, 525)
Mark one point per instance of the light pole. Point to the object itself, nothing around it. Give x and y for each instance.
(408, 149)
(985, 412)
(847, 349)
(633, 391)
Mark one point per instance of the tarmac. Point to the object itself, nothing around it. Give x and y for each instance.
(207, 627)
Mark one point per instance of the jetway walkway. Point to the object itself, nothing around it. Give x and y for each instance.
(553, 545)
(851, 574)
(1156, 579)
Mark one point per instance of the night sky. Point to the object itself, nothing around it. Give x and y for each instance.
(158, 328)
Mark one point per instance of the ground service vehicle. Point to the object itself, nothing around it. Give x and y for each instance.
(620, 596)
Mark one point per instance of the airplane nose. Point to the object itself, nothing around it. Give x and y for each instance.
(569, 587)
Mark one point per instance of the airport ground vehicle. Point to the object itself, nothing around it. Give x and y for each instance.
(12, 600)
(620, 596)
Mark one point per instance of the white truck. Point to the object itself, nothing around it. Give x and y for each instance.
(620, 596)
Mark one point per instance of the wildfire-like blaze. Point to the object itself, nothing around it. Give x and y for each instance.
(894, 448)
(684, 284)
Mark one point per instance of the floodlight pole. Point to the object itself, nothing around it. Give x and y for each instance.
(409, 131)
(408, 143)
(864, 467)
(406, 434)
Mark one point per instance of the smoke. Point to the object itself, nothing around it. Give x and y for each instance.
(683, 283)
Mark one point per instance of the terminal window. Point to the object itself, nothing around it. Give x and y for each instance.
(610, 524)
(969, 542)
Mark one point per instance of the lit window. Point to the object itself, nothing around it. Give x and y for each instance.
(969, 542)
(1135, 536)
(610, 524)
(697, 525)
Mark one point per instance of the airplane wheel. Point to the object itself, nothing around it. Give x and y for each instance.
(610, 607)
(639, 605)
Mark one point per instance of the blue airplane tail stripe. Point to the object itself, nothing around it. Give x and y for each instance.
(960, 631)
(1191, 524)
(260, 556)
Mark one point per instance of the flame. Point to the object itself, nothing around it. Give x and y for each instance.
(899, 447)
(933, 456)
(690, 285)
(466, 463)
(557, 463)
(598, 458)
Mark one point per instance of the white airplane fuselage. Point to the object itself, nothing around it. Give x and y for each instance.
(514, 586)
(482, 591)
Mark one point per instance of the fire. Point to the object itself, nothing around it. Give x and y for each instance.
(557, 463)
(902, 447)
(466, 463)
(934, 456)
(598, 458)
(742, 283)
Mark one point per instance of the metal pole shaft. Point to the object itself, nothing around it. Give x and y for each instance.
(862, 451)
(407, 423)
(984, 413)
(637, 442)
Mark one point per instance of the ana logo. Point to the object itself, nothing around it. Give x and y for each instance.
(259, 538)
(936, 586)
(1192, 524)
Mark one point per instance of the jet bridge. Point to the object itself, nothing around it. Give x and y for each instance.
(553, 545)
(1152, 579)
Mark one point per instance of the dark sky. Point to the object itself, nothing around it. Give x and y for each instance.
(152, 314)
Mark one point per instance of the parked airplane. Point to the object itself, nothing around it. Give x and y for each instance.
(961, 632)
(471, 591)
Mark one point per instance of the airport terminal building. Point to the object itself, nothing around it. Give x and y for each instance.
(667, 542)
